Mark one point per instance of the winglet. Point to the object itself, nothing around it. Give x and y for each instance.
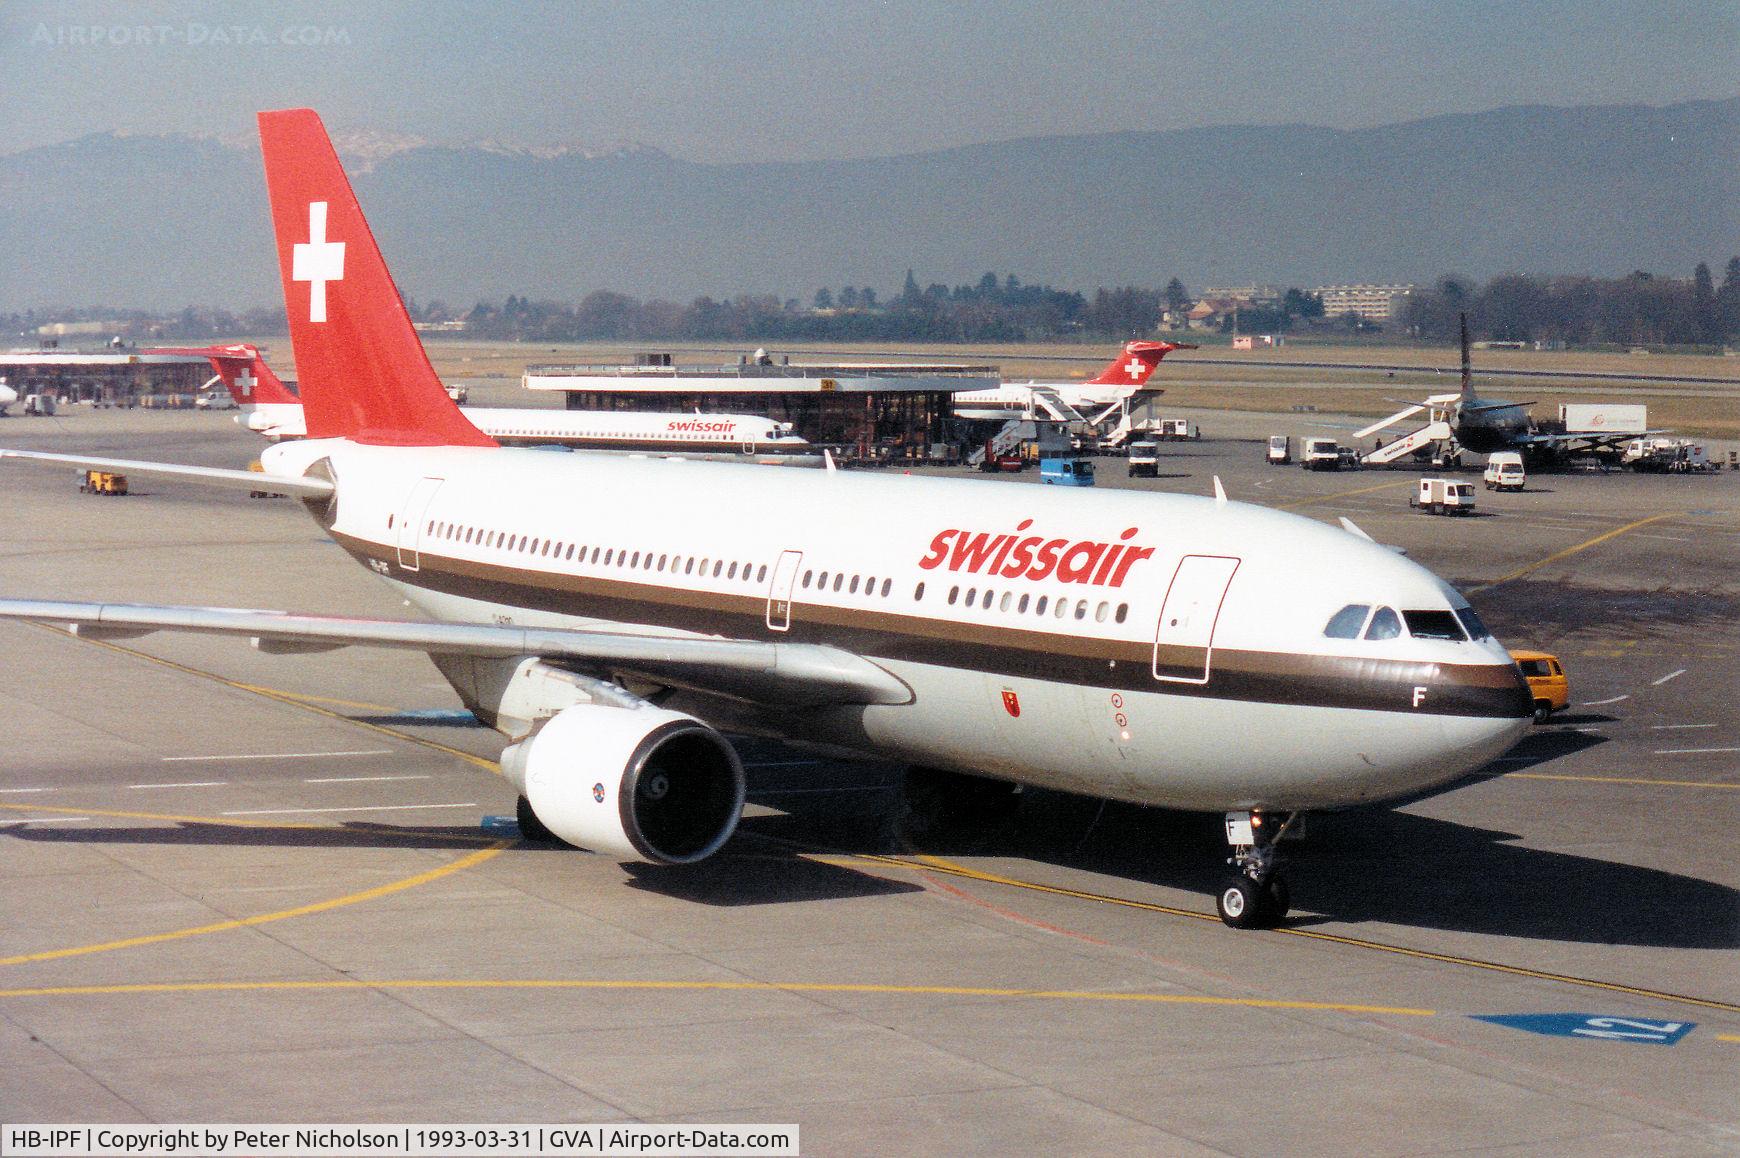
(362, 370)
(1219, 493)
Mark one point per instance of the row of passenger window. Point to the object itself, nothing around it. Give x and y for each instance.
(851, 583)
(1385, 623)
(749, 572)
(601, 556)
(1060, 608)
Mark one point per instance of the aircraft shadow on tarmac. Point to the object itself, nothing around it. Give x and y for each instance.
(1363, 865)
(192, 832)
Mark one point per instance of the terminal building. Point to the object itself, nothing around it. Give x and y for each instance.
(868, 411)
(112, 377)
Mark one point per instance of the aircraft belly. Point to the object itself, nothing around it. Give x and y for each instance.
(1146, 747)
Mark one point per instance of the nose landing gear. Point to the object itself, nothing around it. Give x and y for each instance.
(1255, 896)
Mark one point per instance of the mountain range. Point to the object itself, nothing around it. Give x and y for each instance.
(161, 222)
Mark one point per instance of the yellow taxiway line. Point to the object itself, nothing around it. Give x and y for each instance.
(292, 699)
(753, 986)
(1569, 551)
(1621, 780)
(398, 886)
(1340, 495)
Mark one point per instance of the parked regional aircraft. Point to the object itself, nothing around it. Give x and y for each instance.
(1169, 650)
(1123, 378)
(1465, 421)
(267, 407)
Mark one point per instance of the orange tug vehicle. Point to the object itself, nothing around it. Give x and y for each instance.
(1547, 682)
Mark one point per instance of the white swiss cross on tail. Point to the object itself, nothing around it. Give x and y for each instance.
(317, 261)
(1134, 368)
(245, 384)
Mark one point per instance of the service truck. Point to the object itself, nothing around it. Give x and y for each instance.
(1443, 496)
(1319, 454)
(1280, 449)
(1177, 430)
(1145, 459)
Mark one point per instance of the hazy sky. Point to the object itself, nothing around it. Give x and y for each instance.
(778, 81)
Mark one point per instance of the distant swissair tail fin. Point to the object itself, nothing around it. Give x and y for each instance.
(247, 377)
(1134, 363)
(362, 371)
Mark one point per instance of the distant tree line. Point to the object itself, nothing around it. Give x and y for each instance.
(1637, 309)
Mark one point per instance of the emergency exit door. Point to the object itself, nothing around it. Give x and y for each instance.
(1184, 640)
(779, 590)
(411, 520)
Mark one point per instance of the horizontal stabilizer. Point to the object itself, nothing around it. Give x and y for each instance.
(246, 480)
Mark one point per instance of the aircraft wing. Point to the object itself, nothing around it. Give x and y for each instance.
(248, 480)
(797, 673)
(1592, 439)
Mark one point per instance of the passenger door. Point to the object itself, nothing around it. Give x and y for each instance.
(779, 590)
(1185, 636)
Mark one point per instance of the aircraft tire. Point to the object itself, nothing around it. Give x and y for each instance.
(1242, 903)
(531, 828)
(1277, 899)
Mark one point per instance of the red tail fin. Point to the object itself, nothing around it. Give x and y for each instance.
(362, 371)
(1135, 363)
(247, 377)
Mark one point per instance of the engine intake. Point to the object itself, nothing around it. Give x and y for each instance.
(637, 783)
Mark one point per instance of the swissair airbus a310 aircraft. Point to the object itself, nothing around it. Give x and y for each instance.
(268, 408)
(1178, 651)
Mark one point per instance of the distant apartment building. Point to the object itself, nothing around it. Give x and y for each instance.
(1373, 303)
(1245, 295)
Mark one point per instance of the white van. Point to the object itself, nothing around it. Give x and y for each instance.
(1443, 496)
(1504, 471)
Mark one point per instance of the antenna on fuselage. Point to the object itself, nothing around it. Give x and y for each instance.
(1219, 493)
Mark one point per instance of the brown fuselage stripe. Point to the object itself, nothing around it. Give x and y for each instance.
(1481, 690)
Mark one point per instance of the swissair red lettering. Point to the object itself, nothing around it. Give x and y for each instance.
(698, 426)
(1014, 556)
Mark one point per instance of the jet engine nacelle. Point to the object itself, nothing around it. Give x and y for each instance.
(638, 783)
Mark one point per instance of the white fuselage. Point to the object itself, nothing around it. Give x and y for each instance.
(1023, 399)
(1188, 667)
(732, 435)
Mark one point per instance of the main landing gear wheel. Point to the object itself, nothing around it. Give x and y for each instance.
(934, 801)
(531, 828)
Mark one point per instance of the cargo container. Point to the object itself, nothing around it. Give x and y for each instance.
(1604, 418)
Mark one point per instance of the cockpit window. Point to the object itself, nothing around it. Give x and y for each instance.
(1471, 623)
(1434, 625)
(1385, 624)
(1345, 624)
